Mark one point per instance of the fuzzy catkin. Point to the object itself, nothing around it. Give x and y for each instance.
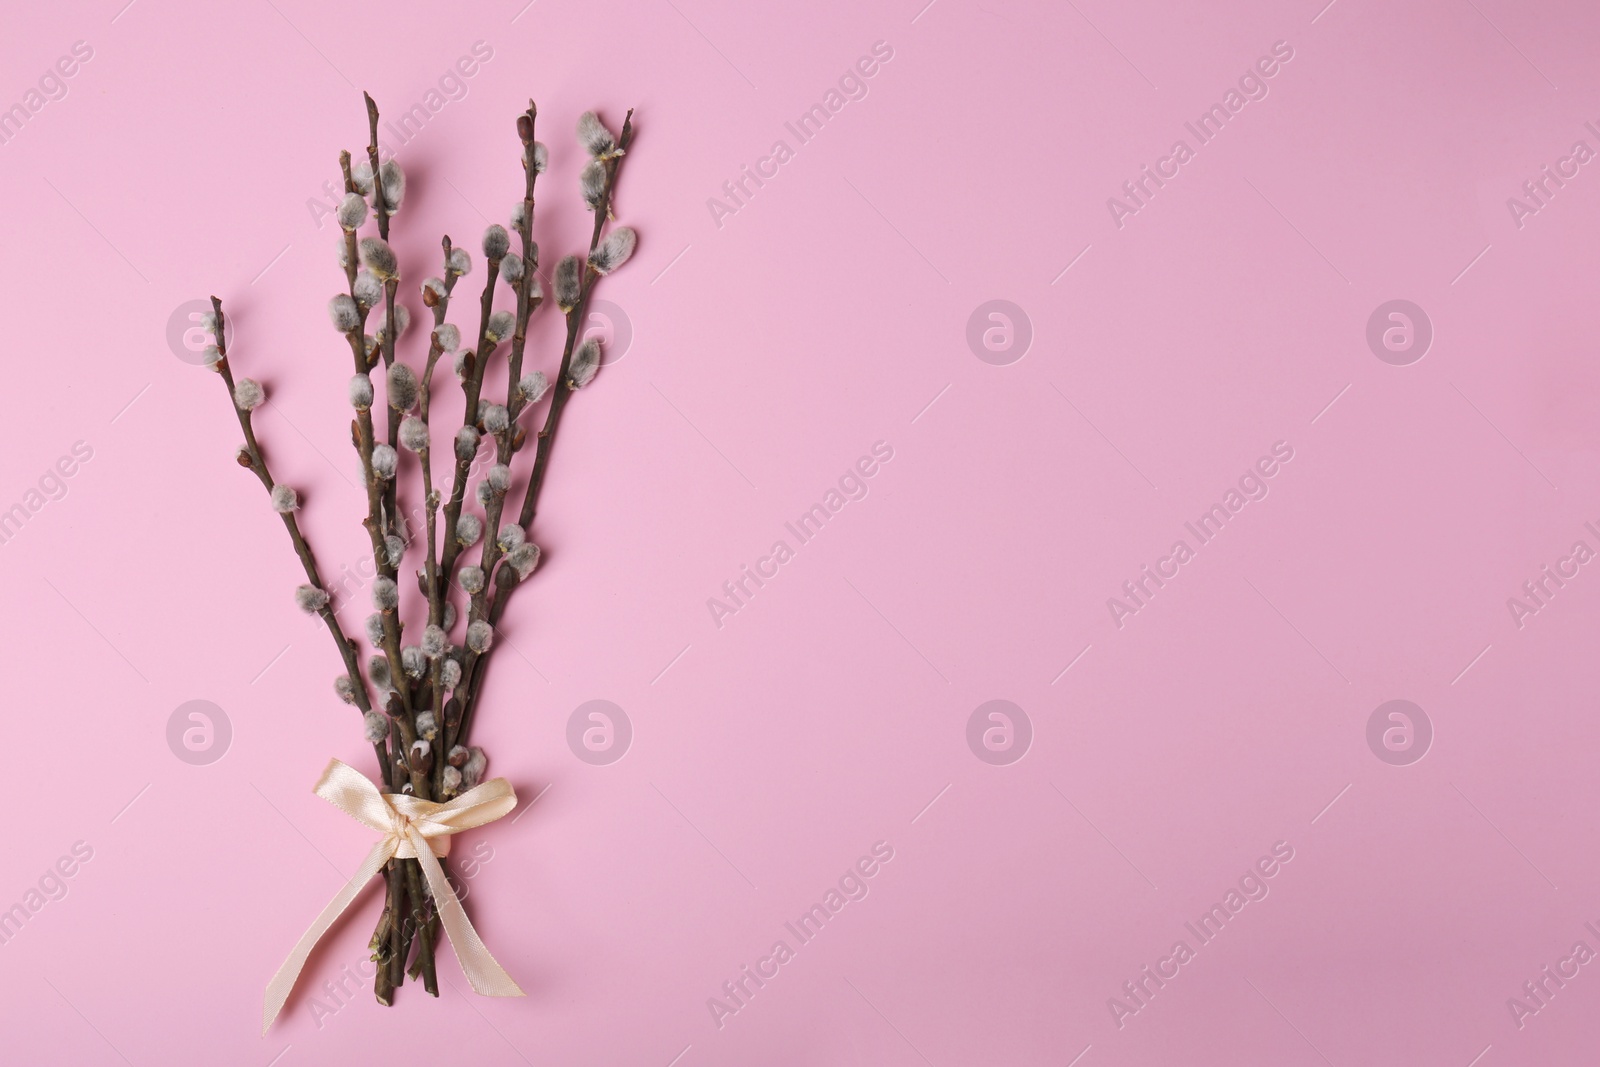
(375, 629)
(510, 537)
(450, 674)
(614, 251)
(594, 136)
(523, 559)
(361, 392)
(378, 257)
(539, 155)
(385, 594)
(435, 642)
(344, 688)
(480, 635)
(447, 335)
(310, 599)
(468, 529)
(284, 499)
(384, 461)
(501, 323)
(585, 363)
(567, 287)
(472, 772)
(401, 386)
(413, 661)
(511, 269)
(496, 241)
(471, 580)
(395, 549)
(592, 183)
(248, 394)
(427, 726)
(402, 320)
(533, 386)
(519, 216)
(378, 669)
(459, 263)
(345, 314)
(392, 180)
(367, 290)
(414, 434)
(375, 727)
(352, 212)
(466, 444)
(495, 418)
(499, 477)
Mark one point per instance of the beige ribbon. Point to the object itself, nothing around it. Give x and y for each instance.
(411, 829)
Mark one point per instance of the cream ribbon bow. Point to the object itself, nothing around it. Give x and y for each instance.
(411, 828)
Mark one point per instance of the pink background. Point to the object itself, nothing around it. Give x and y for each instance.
(769, 352)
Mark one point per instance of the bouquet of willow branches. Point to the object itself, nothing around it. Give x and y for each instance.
(417, 700)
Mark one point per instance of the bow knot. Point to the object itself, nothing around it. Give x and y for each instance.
(412, 828)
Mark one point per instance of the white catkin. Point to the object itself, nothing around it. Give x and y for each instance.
(352, 211)
(402, 320)
(284, 499)
(501, 323)
(361, 176)
(511, 269)
(427, 725)
(375, 629)
(395, 548)
(523, 559)
(345, 314)
(449, 615)
(211, 355)
(533, 386)
(585, 362)
(344, 253)
(367, 290)
(447, 335)
(594, 136)
(248, 394)
(468, 529)
(451, 780)
(384, 461)
(375, 726)
(511, 536)
(459, 363)
(450, 674)
(484, 494)
(496, 241)
(495, 418)
(460, 262)
(208, 322)
(472, 773)
(480, 635)
(614, 250)
(566, 283)
(361, 392)
(541, 157)
(592, 183)
(519, 218)
(499, 478)
(385, 594)
(401, 386)
(378, 257)
(436, 287)
(344, 688)
(310, 599)
(393, 181)
(434, 642)
(466, 444)
(414, 662)
(378, 668)
(471, 580)
(413, 433)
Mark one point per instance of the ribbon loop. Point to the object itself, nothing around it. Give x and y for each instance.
(412, 828)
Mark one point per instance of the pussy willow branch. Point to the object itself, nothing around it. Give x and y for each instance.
(258, 466)
(391, 491)
(505, 579)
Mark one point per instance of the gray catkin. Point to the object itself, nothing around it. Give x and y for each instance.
(413, 661)
(484, 494)
(248, 394)
(496, 241)
(414, 433)
(480, 635)
(501, 323)
(395, 549)
(449, 615)
(344, 688)
(427, 725)
(499, 477)
(450, 674)
(375, 629)
(284, 499)
(401, 386)
(460, 262)
(310, 599)
(352, 212)
(614, 250)
(523, 558)
(466, 444)
(511, 269)
(378, 257)
(375, 726)
(378, 668)
(385, 594)
(451, 780)
(566, 283)
(585, 363)
(594, 136)
(434, 642)
(533, 386)
(402, 320)
(495, 418)
(393, 182)
(592, 183)
(361, 392)
(471, 580)
(384, 461)
(345, 314)
(473, 771)
(367, 290)
(519, 216)
(468, 529)
(361, 176)
(540, 157)
(211, 355)
(510, 537)
(447, 335)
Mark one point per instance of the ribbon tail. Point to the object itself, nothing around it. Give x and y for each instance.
(488, 978)
(282, 983)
